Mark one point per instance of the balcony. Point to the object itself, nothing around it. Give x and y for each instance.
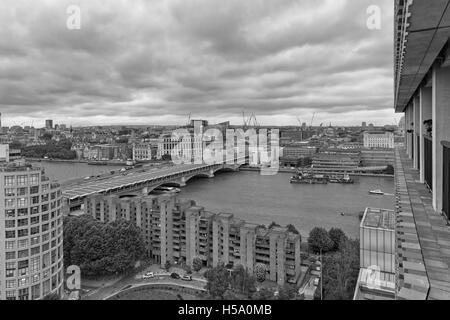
(422, 238)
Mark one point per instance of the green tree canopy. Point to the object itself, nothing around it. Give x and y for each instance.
(319, 240)
(338, 237)
(101, 248)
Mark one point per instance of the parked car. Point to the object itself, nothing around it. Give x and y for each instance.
(175, 275)
(186, 278)
(148, 275)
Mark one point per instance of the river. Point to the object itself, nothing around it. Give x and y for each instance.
(263, 199)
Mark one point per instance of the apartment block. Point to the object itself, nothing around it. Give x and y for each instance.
(177, 230)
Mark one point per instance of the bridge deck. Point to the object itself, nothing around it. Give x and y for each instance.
(121, 181)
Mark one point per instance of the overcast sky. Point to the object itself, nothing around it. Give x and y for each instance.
(154, 62)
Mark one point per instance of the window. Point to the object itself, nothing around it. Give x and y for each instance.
(34, 179)
(10, 234)
(44, 197)
(22, 180)
(10, 223)
(34, 230)
(22, 222)
(22, 282)
(9, 245)
(34, 210)
(34, 189)
(22, 233)
(10, 284)
(22, 202)
(9, 203)
(10, 213)
(34, 220)
(10, 255)
(9, 180)
(10, 273)
(22, 212)
(35, 200)
(22, 254)
(34, 240)
(10, 192)
(21, 191)
(23, 243)
(44, 187)
(35, 250)
(35, 264)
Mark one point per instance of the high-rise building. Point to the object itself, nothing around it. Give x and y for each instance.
(48, 124)
(422, 168)
(31, 233)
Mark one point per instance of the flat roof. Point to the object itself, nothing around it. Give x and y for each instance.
(379, 218)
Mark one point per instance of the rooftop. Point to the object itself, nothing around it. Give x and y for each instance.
(379, 218)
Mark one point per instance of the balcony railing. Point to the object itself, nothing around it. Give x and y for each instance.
(428, 161)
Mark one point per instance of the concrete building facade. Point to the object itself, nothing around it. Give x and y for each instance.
(31, 234)
(178, 230)
(378, 140)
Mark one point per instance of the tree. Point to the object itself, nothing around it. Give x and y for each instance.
(167, 265)
(187, 269)
(241, 281)
(101, 248)
(260, 272)
(218, 281)
(197, 264)
(389, 169)
(340, 271)
(287, 292)
(319, 240)
(338, 237)
(273, 224)
(292, 228)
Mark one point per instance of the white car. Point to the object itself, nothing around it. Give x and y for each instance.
(148, 275)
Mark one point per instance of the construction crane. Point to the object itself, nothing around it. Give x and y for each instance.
(250, 121)
(312, 119)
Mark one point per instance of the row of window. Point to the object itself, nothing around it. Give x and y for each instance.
(22, 179)
(11, 234)
(11, 213)
(30, 221)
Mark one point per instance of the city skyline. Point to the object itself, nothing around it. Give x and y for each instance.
(148, 63)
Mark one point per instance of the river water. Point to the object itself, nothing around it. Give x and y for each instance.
(62, 171)
(263, 199)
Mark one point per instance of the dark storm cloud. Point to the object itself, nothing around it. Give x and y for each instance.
(154, 61)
